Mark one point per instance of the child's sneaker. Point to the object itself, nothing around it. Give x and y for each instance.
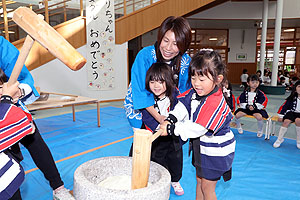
(62, 194)
(177, 188)
(259, 134)
(298, 145)
(277, 143)
(240, 130)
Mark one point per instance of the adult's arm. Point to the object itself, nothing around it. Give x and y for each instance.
(140, 96)
(8, 57)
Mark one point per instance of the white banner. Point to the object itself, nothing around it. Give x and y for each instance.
(100, 19)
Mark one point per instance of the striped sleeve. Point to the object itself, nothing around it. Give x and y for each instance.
(14, 125)
(213, 112)
(11, 176)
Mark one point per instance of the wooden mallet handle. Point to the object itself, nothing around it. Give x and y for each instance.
(21, 60)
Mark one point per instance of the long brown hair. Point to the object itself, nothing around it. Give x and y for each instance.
(182, 32)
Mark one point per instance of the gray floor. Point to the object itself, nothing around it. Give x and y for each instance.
(248, 124)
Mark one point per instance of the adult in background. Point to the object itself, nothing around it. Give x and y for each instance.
(173, 40)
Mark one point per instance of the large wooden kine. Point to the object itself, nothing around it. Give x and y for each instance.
(40, 31)
(142, 143)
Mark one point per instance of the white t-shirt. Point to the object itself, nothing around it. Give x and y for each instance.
(244, 77)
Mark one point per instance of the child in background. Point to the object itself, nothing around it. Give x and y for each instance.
(203, 115)
(258, 73)
(290, 112)
(252, 102)
(166, 151)
(230, 99)
(11, 172)
(244, 77)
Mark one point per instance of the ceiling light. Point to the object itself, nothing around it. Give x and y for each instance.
(8, 31)
(193, 31)
(213, 39)
(289, 30)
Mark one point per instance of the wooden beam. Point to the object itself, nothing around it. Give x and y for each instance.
(150, 17)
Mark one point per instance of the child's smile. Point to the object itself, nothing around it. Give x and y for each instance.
(158, 88)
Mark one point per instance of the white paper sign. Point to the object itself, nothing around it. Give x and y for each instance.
(100, 19)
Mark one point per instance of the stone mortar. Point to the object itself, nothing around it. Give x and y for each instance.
(88, 175)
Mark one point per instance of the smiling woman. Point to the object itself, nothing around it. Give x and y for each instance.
(173, 40)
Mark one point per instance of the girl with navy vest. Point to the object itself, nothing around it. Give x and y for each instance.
(203, 115)
(166, 151)
(252, 102)
(290, 112)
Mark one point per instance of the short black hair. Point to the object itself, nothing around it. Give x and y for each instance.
(252, 77)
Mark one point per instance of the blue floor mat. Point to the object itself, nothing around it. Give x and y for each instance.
(259, 170)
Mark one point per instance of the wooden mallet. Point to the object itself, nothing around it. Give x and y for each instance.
(142, 143)
(40, 31)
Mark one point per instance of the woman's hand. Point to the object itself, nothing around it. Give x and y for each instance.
(158, 117)
(163, 127)
(12, 91)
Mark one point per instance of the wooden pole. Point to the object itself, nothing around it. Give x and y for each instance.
(46, 11)
(142, 143)
(5, 20)
(81, 8)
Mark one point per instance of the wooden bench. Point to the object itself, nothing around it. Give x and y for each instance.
(59, 102)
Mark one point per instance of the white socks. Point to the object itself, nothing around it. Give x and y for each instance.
(260, 126)
(280, 139)
(281, 133)
(238, 123)
(298, 136)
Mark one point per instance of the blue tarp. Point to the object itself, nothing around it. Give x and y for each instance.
(259, 170)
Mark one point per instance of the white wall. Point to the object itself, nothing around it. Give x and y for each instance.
(57, 77)
(237, 46)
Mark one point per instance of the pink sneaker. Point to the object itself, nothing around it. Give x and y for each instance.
(177, 188)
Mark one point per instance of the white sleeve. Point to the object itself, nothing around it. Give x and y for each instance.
(259, 106)
(180, 112)
(26, 88)
(243, 105)
(280, 115)
(189, 129)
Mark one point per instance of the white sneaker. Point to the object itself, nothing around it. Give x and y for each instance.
(62, 194)
(177, 188)
(277, 143)
(240, 130)
(298, 145)
(259, 134)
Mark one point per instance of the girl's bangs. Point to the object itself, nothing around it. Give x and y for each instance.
(157, 77)
(200, 71)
